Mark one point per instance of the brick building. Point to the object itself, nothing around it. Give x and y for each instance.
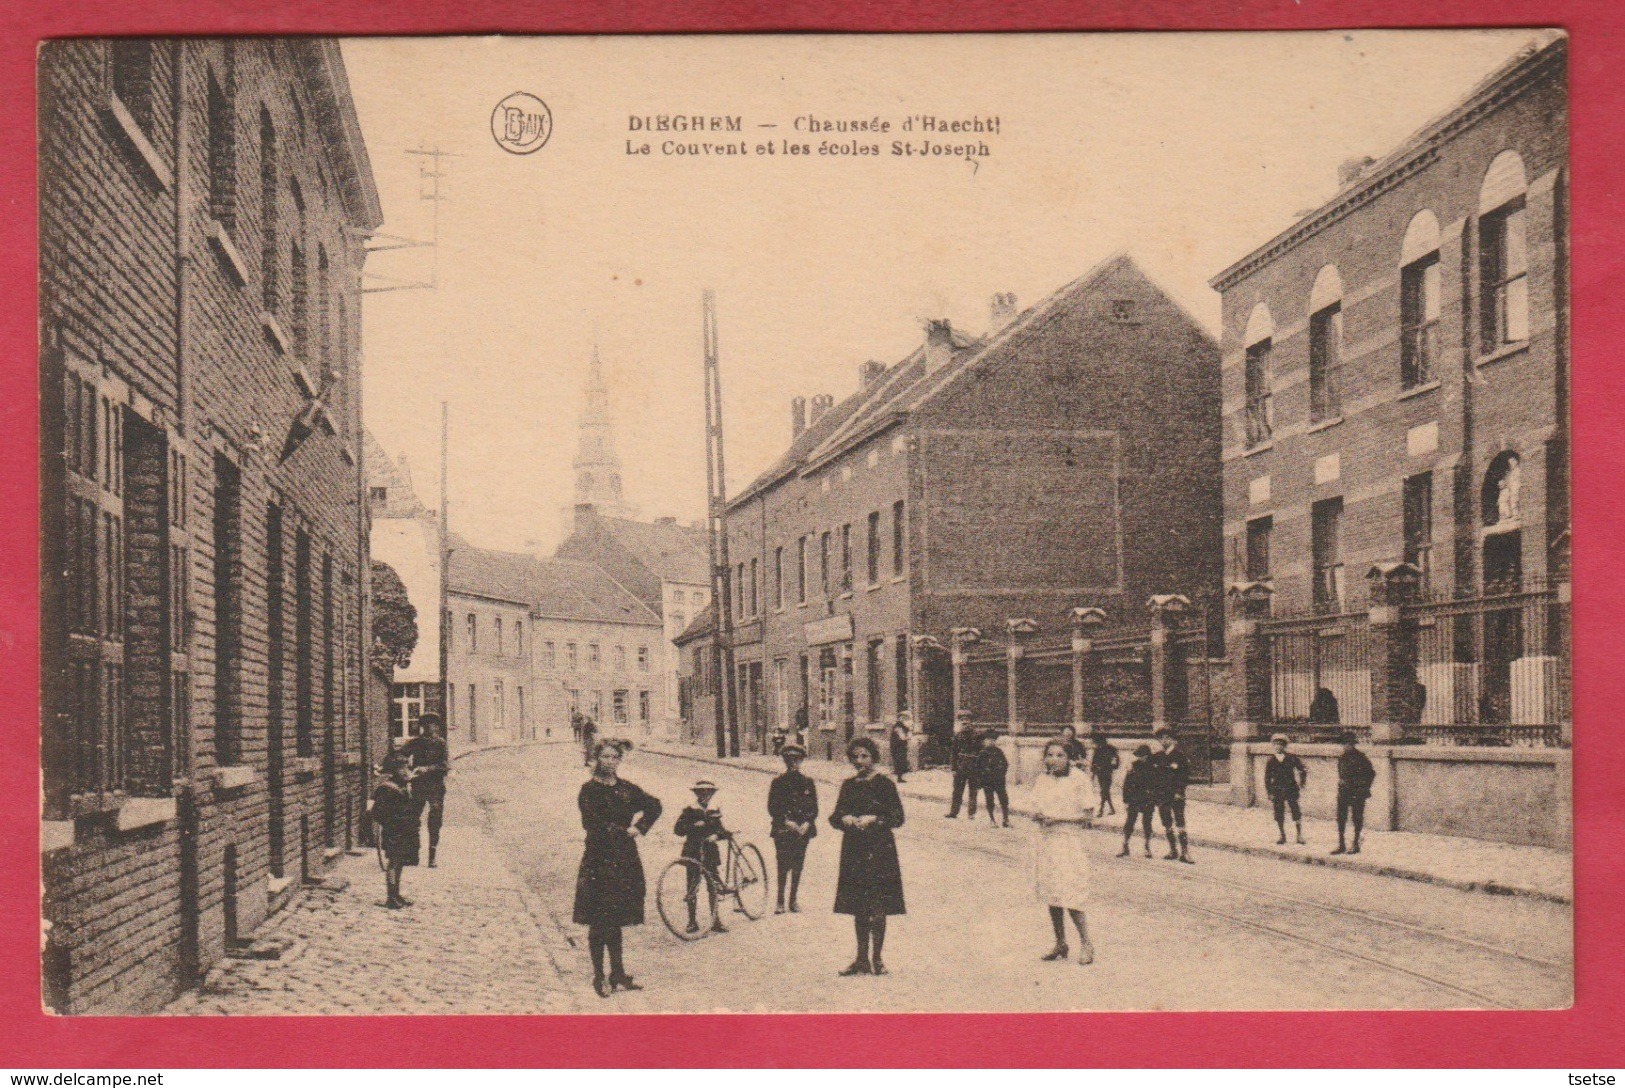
(203, 206)
(532, 639)
(1396, 391)
(662, 562)
(1067, 459)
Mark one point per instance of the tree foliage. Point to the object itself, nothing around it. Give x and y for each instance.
(394, 620)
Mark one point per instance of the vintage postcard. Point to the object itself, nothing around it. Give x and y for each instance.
(971, 523)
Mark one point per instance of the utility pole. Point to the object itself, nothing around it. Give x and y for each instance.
(716, 483)
(429, 176)
(445, 570)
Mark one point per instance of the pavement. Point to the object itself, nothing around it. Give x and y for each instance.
(1449, 861)
(470, 942)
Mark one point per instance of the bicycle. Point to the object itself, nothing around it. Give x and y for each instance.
(743, 877)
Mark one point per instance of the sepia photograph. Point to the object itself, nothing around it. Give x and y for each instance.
(971, 523)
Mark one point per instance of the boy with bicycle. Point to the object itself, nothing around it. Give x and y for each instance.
(700, 827)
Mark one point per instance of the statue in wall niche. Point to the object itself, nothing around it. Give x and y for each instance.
(1506, 501)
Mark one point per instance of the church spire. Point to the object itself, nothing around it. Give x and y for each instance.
(597, 468)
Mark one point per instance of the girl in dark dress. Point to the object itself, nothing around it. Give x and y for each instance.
(609, 886)
(871, 882)
(395, 815)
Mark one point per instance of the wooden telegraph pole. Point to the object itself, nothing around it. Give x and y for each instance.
(716, 483)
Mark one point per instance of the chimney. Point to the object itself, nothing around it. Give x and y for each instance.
(1352, 170)
(939, 345)
(1002, 312)
(798, 416)
(822, 403)
(870, 373)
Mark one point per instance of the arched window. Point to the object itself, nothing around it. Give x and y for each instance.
(1260, 408)
(1503, 258)
(1419, 300)
(1326, 346)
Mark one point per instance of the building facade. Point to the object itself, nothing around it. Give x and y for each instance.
(1068, 459)
(203, 207)
(534, 639)
(1396, 392)
(406, 536)
(663, 564)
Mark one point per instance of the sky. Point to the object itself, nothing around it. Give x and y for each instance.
(1186, 151)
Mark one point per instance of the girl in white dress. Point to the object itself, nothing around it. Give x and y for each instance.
(1062, 810)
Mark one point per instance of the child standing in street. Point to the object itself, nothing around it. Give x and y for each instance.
(1137, 798)
(700, 827)
(395, 818)
(992, 770)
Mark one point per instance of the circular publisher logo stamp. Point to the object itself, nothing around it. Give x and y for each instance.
(521, 123)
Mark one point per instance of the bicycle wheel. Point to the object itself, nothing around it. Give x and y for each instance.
(686, 904)
(750, 888)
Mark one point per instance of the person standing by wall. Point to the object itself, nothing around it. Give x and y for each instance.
(992, 770)
(1284, 779)
(1103, 763)
(1061, 810)
(610, 886)
(430, 764)
(1355, 775)
(870, 886)
(966, 746)
(900, 732)
(792, 806)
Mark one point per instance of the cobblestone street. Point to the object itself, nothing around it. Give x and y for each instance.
(489, 930)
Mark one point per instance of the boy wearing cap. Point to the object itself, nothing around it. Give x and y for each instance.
(1284, 779)
(792, 805)
(1355, 775)
(700, 827)
(967, 746)
(395, 816)
(1137, 798)
(1170, 776)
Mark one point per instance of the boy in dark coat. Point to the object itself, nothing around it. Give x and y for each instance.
(700, 828)
(792, 806)
(992, 770)
(966, 746)
(395, 817)
(1170, 776)
(430, 764)
(1355, 775)
(1284, 779)
(1137, 798)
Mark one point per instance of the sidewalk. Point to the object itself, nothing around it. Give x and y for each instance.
(468, 943)
(1466, 864)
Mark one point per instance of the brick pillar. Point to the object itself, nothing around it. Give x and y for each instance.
(960, 637)
(1393, 650)
(1084, 622)
(1017, 629)
(1166, 661)
(1248, 648)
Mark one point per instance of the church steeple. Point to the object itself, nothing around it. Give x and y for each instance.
(597, 468)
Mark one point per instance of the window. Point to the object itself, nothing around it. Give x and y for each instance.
(520, 693)
(405, 708)
(899, 539)
(679, 622)
(823, 563)
(451, 706)
(1325, 533)
(1258, 549)
(1503, 256)
(228, 659)
(873, 660)
(594, 656)
(270, 255)
(874, 547)
(304, 713)
(643, 706)
(473, 633)
(379, 495)
(1419, 320)
(575, 700)
(549, 657)
(755, 583)
(498, 649)
(778, 578)
(221, 149)
(801, 570)
(643, 659)
(739, 592)
(620, 659)
(518, 638)
(902, 673)
(1419, 522)
(846, 558)
(1505, 277)
(473, 713)
(1325, 363)
(301, 300)
(499, 716)
(1260, 404)
(570, 658)
(131, 63)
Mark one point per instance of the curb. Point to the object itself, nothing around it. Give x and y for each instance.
(1485, 887)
